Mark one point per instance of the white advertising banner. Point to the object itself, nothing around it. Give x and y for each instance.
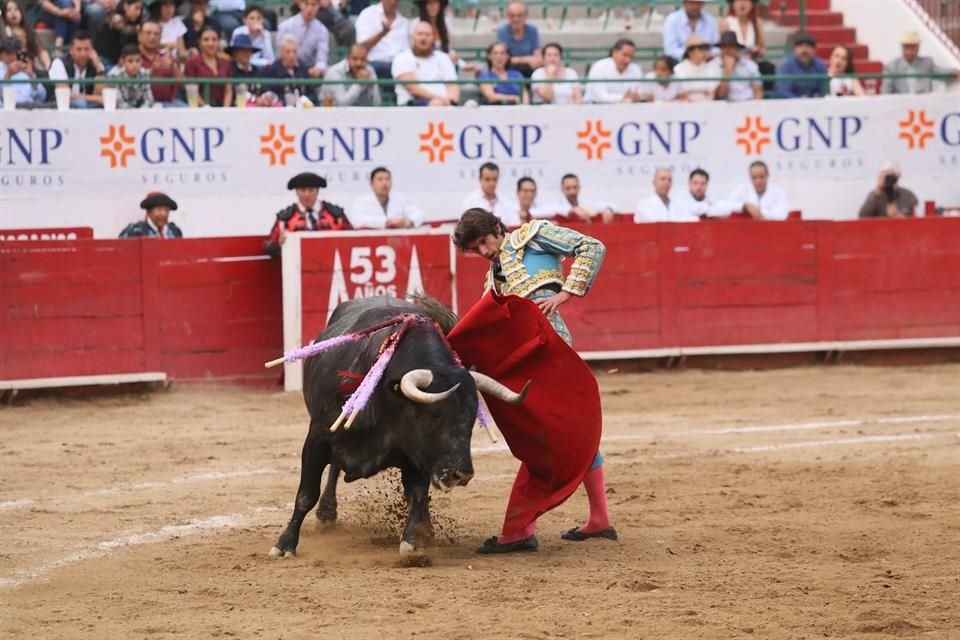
(228, 167)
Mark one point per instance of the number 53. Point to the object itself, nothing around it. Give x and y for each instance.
(360, 260)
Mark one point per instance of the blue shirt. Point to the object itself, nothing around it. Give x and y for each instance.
(523, 47)
(25, 92)
(676, 30)
(504, 86)
(813, 88)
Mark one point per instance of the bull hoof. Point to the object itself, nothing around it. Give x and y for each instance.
(326, 515)
(406, 548)
(275, 552)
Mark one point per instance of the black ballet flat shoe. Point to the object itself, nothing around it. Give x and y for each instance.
(491, 545)
(576, 535)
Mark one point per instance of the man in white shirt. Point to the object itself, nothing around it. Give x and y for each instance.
(577, 206)
(528, 208)
(384, 208)
(697, 202)
(313, 37)
(487, 198)
(619, 66)
(660, 207)
(762, 200)
(431, 67)
(385, 33)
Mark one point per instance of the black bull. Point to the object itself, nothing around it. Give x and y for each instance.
(419, 419)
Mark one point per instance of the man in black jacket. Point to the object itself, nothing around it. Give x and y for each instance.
(289, 69)
(308, 213)
(157, 223)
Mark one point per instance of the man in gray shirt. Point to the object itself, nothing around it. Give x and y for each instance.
(353, 67)
(912, 62)
(888, 199)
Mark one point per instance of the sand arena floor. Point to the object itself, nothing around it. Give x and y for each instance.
(801, 503)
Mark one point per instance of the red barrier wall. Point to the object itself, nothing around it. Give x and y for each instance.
(211, 309)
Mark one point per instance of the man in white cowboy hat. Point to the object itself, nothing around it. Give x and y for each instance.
(156, 223)
(912, 62)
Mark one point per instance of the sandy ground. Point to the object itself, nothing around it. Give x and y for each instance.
(804, 503)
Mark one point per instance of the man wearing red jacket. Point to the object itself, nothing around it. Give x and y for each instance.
(309, 213)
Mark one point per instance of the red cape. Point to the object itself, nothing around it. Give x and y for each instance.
(555, 433)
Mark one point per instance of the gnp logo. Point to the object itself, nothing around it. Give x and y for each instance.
(636, 139)
(162, 146)
(828, 133)
(343, 145)
(28, 156)
(479, 142)
(917, 129)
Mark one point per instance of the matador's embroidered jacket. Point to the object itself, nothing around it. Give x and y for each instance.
(530, 265)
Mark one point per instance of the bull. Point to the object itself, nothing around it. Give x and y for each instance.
(419, 419)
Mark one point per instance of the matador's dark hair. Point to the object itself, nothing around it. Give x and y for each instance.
(474, 224)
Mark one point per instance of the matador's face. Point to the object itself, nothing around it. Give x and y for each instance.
(488, 246)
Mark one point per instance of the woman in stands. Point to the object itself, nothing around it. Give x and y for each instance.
(120, 29)
(164, 12)
(743, 20)
(506, 90)
(15, 26)
(209, 64)
(664, 89)
(554, 69)
(840, 69)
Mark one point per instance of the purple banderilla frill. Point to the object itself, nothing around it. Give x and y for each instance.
(359, 399)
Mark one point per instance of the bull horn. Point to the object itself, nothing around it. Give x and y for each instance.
(494, 389)
(414, 382)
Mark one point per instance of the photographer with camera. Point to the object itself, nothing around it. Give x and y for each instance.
(889, 200)
(15, 65)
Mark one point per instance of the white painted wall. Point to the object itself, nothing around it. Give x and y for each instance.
(880, 23)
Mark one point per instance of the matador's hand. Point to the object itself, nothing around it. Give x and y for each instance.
(551, 304)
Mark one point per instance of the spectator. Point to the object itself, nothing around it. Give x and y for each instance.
(888, 199)
(619, 66)
(554, 69)
(522, 40)
(63, 16)
(259, 37)
(498, 59)
(336, 23)
(434, 12)
(121, 29)
(693, 68)
(733, 62)
(159, 62)
(312, 37)
(803, 61)
(209, 64)
(156, 223)
(664, 90)
(527, 206)
(79, 64)
(289, 68)
(241, 53)
(743, 21)
(431, 68)
(95, 12)
(131, 95)
(228, 15)
(488, 198)
(353, 67)
(762, 200)
(308, 213)
(660, 207)
(15, 65)
(912, 62)
(172, 27)
(11, 16)
(685, 22)
(576, 205)
(194, 23)
(840, 68)
(697, 202)
(384, 208)
(385, 33)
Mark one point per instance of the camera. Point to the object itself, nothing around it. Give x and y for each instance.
(22, 56)
(889, 186)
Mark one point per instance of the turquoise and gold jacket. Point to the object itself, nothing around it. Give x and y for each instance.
(531, 264)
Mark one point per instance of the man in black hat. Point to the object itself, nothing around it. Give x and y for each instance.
(803, 61)
(157, 223)
(309, 213)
